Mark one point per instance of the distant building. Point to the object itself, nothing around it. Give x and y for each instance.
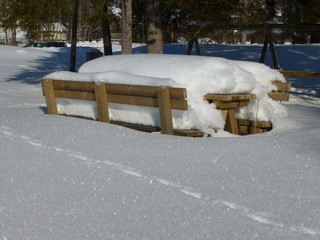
(54, 32)
(50, 32)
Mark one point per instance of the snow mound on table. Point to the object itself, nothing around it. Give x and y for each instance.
(199, 75)
(112, 77)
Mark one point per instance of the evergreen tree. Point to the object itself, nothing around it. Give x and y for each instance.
(8, 18)
(100, 14)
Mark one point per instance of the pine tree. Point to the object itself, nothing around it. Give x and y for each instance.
(8, 18)
(100, 15)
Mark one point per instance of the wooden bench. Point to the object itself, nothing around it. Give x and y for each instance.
(282, 93)
(164, 98)
(228, 103)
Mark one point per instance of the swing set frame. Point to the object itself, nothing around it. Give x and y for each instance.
(268, 41)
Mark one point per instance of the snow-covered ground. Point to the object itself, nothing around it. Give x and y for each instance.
(70, 178)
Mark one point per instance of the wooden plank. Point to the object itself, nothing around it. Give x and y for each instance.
(147, 91)
(260, 124)
(244, 122)
(253, 127)
(102, 104)
(218, 97)
(90, 96)
(74, 85)
(132, 100)
(243, 130)
(144, 128)
(145, 101)
(229, 97)
(188, 133)
(136, 90)
(244, 103)
(138, 127)
(178, 93)
(256, 130)
(50, 96)
(279, 96)
(301, 74)
(228, 105)
(121, 99)
(165, 110)
(282, 86)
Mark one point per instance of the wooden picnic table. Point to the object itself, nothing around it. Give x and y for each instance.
(228, 103)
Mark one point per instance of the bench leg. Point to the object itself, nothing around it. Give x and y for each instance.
(165, 110)
(101, 101)
(231, 122)
(49, 94)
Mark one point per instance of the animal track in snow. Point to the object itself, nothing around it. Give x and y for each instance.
(187, 191)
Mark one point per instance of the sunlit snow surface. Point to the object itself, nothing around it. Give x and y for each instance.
(70, 178)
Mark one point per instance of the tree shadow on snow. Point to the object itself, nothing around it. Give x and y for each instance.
(57, 60)
(291, 58)
(300, 58)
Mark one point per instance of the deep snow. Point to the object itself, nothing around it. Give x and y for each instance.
(69, 178)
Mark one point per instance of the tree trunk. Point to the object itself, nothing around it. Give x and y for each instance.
(126, 25)
(243, 38)
(7, 39)
(14, 36)
(106, 33)
(73, 51)
(190, 46)
(196, 43)
(154, 34)
(271, 8)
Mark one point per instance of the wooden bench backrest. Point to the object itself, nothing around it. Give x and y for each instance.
(164, 98)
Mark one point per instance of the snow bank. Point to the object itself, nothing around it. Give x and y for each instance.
(199, 75)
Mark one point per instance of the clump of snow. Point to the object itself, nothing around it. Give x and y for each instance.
(199, 75)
